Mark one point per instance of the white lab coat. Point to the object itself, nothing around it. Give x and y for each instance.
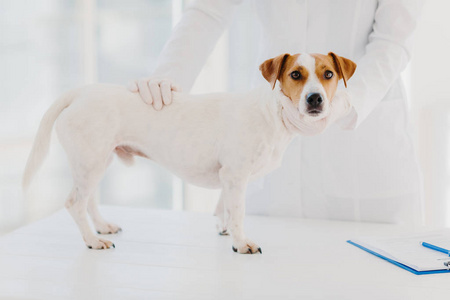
(367, 174)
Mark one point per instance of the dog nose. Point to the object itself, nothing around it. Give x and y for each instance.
(314, 99)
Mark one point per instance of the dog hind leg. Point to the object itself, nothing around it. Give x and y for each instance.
(86, 179)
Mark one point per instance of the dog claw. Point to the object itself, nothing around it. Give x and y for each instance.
(99, 244)
(107, 228)
(234, 249)
(246, 246)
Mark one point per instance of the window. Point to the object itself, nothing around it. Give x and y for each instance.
(51, 46)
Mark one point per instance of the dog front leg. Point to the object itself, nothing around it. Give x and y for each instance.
(222, 218)
(233, 198)
(101, 226)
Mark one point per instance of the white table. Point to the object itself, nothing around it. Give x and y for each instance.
(178, 255)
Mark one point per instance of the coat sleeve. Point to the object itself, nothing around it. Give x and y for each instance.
(387, 55)
(193, 39)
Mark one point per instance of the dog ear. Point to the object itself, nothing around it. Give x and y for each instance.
(344, 66)
(272, 68)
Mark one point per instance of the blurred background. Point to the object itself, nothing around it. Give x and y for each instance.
(50, 46)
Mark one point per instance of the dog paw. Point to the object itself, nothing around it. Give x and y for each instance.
(107, 228)
(222, 230)
(96, 243)
(246, 247)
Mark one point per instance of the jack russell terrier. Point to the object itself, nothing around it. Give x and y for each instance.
(214, 140)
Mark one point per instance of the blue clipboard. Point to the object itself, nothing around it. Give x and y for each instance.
(396, 262)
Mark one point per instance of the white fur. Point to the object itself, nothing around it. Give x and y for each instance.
(312, 85)
(216, 141)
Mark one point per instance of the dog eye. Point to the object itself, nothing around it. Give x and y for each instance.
(296, 75)
(328, 74)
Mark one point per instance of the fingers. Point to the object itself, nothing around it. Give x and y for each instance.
(154, 91)
(166, 92)
(340, 106)
(144, 91)
(156, 94)
(175, 87)
(132, 87)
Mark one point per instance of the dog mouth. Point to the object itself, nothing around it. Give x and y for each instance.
(314, 112)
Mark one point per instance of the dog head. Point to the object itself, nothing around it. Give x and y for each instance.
(308, 80)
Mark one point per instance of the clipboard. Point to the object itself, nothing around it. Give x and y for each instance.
(407, 252)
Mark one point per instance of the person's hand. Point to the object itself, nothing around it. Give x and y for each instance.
(340, 106)
(342, 111)
(154, 91)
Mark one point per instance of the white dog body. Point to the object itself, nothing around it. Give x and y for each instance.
(214, 140)
(194, 137)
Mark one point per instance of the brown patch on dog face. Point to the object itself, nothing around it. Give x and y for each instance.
(324, 67)
(345, 66)
(272, 68)
(290, 86)
(283, 66)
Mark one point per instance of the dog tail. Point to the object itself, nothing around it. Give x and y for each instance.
(42, 140)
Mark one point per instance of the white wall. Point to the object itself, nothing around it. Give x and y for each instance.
(430, 103)
(50, 46)
(46, 39)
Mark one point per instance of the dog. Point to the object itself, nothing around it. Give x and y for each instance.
(221, 140)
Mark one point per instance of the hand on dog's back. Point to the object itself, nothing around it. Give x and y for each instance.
(154, 91)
